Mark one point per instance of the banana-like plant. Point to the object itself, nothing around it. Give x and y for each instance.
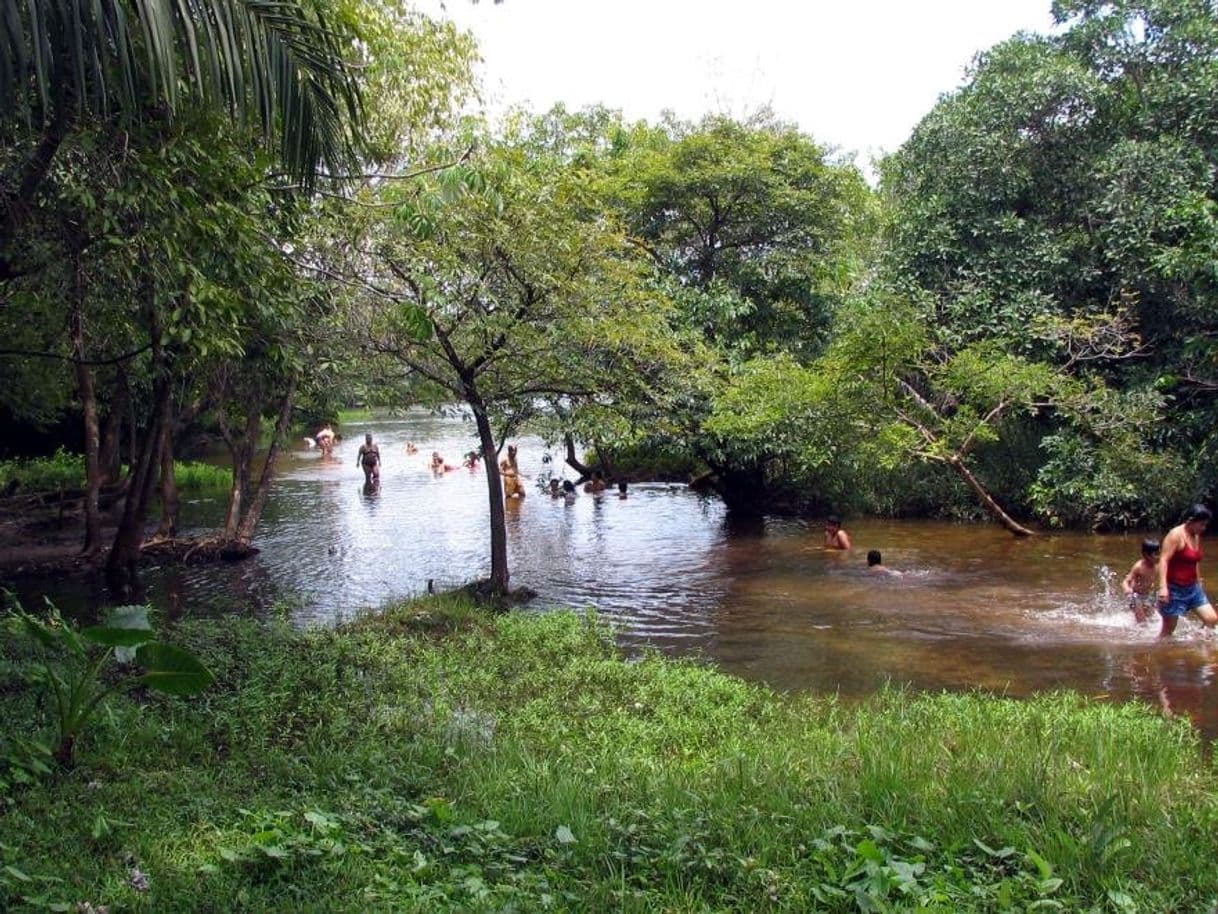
(72, 675)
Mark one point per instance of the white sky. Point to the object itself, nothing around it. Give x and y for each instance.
(855, 74)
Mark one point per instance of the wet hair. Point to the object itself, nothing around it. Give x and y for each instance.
(568, 485)
(1150, 546)
(621, 486)
(833, 521)
(874, 558)
(368, 437)
(1198, 512)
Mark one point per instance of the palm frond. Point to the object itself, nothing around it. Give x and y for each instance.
(267, 61)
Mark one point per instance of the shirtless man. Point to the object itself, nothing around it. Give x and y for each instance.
(369, 458)
(835, 536)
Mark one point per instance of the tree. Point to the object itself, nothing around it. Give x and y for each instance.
(491, 281)
(278, 65)
(1070, 175)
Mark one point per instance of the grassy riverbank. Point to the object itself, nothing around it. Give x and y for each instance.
(434, 759)
(64, 470)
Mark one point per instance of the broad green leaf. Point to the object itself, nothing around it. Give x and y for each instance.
(126, 626)
(171, 669)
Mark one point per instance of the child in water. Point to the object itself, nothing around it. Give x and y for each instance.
(1139, 584)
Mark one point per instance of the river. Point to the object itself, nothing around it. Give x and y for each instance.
(975, 607)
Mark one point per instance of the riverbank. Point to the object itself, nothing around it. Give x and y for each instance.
(435, 759)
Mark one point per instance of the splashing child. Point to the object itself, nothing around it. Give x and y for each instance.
(1139, 584)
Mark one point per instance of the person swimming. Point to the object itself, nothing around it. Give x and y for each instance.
(835, 536)
(555, 487)
(875, 564)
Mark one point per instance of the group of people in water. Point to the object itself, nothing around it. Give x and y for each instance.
(1166, 578)
(369, 459)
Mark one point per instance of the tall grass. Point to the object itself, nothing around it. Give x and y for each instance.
(65, 470)
(435, 759)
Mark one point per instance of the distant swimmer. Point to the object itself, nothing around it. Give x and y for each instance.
(411, 448)
(439, 464)
(325, 440)
(369, 457)
(471, 460)
(510, 471)
(875, 564)
(596, 483)
(622, 489)
(555, 487)
(568, 491)
(835, 536)
(1139, 584)
(1180, 589)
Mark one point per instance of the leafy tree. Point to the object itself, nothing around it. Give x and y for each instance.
(490, 281)
(1071, 175)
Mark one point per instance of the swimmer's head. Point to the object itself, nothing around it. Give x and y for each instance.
(1150, 549)
(554, 484)
(1198, 514)
(621, 486)
(368, 438)
(833, 522)
(568, 485)
(874, 558)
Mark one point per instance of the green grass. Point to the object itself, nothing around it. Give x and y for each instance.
(64, 470)
(435, 759)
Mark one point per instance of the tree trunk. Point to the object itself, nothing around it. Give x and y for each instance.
(169, 483)
(110, 458)
(987, 500)
(253, 511)
(88, 403)
(494, 487)
(574, 462)
(15, 206)
(121, 576)
(124, 554)
(242, 447)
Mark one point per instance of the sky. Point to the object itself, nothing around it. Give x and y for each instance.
(856, 75)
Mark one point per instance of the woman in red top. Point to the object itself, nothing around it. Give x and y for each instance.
(1180, 589)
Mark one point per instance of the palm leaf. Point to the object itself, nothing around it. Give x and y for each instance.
(269, 62)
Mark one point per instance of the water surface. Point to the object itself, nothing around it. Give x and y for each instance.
(975, 608)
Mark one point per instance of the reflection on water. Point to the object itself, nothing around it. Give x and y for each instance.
(975, 608)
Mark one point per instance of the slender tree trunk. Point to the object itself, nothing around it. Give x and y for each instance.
(245, 533)
(15, 207)
(110, 458)
(494, 489)
(124, 554)
(573, 460)
(88, 402)
(242, 447)
(169, 483)
(987, 500)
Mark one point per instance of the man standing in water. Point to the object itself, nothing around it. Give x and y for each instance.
(835, 536)
(1180, 588)
(369, 458)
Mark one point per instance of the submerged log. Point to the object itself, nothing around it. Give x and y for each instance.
(192, 551)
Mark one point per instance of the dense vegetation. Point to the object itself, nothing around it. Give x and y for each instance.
(434, 759)
(218, 217)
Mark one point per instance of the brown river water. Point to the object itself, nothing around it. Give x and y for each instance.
(975, 608)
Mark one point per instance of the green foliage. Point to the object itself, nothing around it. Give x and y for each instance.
(520, 761)
(67, 471)
(1070, 176)
(280, 67)
(70, 677)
